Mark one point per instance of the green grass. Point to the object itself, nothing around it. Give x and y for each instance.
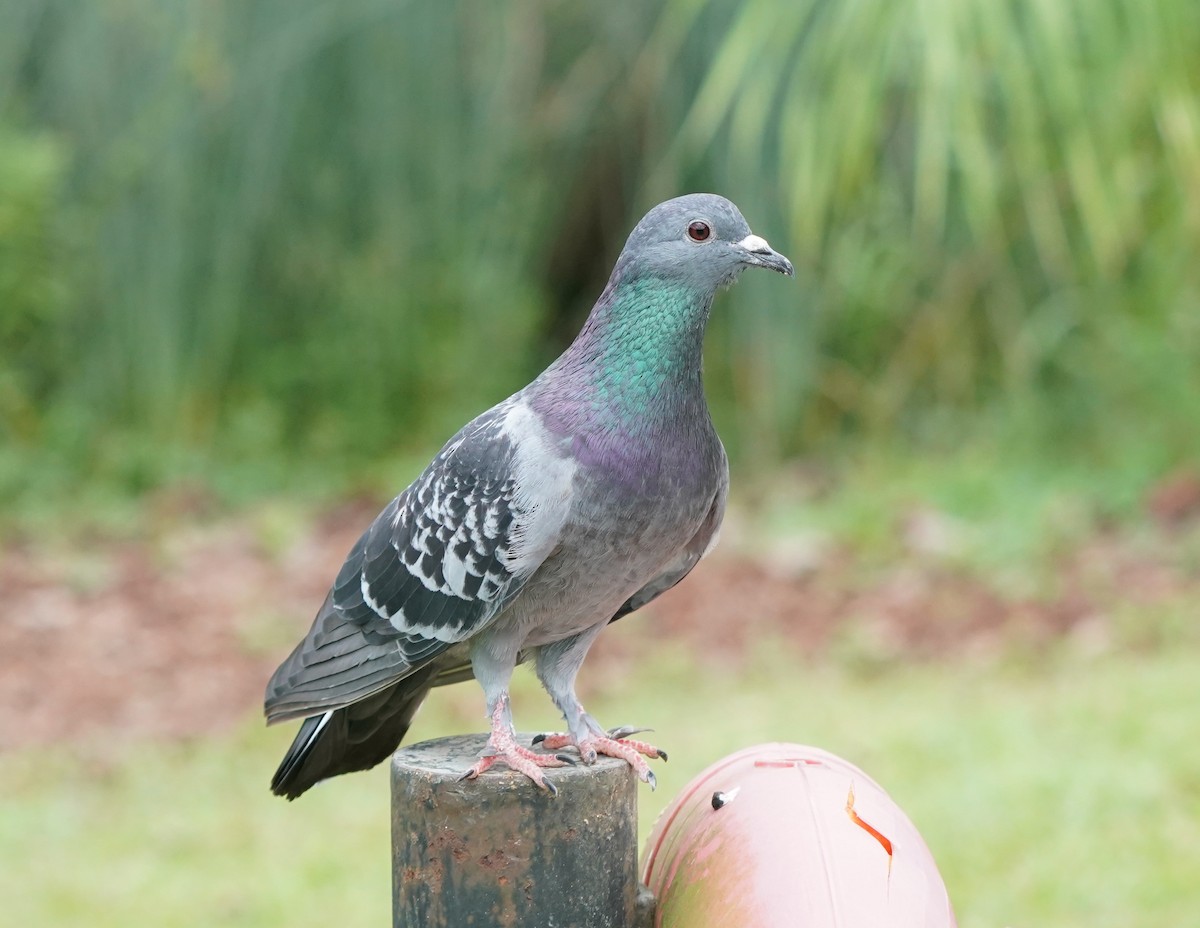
(998, 511)
(1054, 790)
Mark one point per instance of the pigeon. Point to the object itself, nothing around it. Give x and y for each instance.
(567, 506)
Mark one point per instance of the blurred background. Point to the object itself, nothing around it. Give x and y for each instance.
(258, 259)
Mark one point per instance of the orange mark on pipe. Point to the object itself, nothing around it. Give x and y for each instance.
(873, 832)
(790, 762)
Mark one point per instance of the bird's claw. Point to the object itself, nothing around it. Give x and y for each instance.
(624, 731)
(503, 747)
(614, 743)
(525, 762)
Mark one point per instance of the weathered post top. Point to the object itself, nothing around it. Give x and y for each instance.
(499, 851)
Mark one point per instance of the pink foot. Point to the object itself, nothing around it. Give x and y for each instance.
(502, 746)
(616, 744)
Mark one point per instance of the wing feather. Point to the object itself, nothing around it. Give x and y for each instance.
(439, 563)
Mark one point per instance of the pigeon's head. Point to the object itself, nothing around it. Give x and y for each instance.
(701, 239)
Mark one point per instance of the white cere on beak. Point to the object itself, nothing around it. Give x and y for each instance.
(755, 244)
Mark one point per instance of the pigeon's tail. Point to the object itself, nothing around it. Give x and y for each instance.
(352, 738)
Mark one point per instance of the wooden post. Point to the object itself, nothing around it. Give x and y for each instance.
(498, 851)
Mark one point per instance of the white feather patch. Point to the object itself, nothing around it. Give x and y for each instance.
(544, 487)
(377, 608)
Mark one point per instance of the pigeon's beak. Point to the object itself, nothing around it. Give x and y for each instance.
(759, 254)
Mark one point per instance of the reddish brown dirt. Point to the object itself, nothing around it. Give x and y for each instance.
(176, 633)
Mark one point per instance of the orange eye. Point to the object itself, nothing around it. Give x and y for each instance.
(699, 231)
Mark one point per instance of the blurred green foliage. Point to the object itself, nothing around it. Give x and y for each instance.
(31, 289)
(244, 231)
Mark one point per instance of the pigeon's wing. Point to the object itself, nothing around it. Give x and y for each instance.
(437, 565)
(701, 544)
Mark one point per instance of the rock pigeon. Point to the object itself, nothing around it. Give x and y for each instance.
(572, 503)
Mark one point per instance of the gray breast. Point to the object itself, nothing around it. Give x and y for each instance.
(613, 544)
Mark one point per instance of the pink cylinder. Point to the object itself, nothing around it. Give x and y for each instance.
(790, 836)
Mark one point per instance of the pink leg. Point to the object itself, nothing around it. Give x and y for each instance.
(502, 746)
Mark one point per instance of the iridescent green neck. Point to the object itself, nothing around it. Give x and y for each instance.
(640, 351)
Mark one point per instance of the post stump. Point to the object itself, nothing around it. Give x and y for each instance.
(499, 851)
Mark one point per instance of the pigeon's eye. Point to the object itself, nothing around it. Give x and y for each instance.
(699, 231)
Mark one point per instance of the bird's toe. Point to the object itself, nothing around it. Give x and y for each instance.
(624, 731)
